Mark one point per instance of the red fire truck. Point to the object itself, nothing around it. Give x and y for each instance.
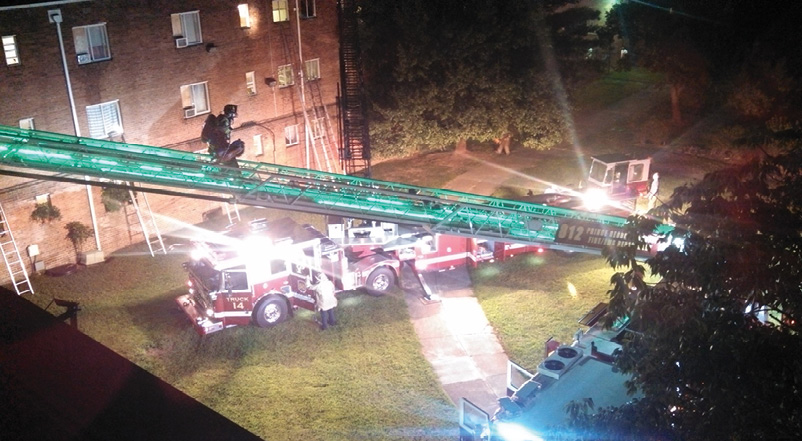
(261, 273)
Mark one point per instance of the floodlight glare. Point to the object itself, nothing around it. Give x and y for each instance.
(515, 432)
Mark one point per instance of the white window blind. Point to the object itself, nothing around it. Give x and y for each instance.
(250, 83)
(312, 69)
(26, 123)
(285, 76)
(186, 27)
(104, 120)
(291, 135)
(244, 15)
(10, 50)
(257, 145)
(195, 99)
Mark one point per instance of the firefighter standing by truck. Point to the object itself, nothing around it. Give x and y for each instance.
(326, 300)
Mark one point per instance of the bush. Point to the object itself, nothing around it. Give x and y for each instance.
(77, 233)
(114, 198)
(45, 213)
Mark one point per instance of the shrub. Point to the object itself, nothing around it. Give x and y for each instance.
(77, 233)
(114, 198)
(45, 213)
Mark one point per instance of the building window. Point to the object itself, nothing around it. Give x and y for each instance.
(26, 123)
(280, 11)
(104, 120)
(195, 99)
(244, 16)
(10, 49)
(291, 135)
(257, 145)
(186, 28)
(250, 83)
(285, 76)
(312, 69)
(317, 128)
(307, 8)
(91, 43)
(43, 199)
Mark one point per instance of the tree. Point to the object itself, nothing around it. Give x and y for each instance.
(717, 341)
(440, 73)
(78, 233)
(696, 44)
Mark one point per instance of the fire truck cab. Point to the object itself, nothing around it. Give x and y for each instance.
(618, 175)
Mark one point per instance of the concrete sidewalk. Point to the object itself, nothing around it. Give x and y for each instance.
(457, 339)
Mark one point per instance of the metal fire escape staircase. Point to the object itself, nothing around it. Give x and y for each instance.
(314, 125)
(355, 145)
(12, 258)
(69, 158)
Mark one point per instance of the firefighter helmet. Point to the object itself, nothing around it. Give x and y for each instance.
(230, 110)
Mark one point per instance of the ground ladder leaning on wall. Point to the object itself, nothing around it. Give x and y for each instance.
(12, 258)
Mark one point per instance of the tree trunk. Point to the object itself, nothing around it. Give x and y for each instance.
(676, 112)
(462, 146)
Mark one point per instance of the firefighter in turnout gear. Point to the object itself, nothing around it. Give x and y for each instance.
(217, 134)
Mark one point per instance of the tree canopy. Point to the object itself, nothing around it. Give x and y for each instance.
(445, 71)
(716, 344)
(699, 44)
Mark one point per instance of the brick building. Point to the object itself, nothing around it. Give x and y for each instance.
(150, 72)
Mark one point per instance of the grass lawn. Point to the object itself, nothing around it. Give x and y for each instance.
(366, 379)
(432, 170)
(613, 87)
(530, 298)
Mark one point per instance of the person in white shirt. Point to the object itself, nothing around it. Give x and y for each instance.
(654, 187)
(326, 300)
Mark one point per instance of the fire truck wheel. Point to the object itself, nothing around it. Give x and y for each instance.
(270, 312)
(380, 281)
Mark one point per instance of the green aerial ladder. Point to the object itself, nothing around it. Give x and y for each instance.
(73, 159)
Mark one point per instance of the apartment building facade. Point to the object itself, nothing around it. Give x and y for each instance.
(150, 72)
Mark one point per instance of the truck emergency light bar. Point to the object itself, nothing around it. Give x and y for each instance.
(73, 159)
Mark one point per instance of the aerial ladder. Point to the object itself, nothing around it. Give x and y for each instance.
(173, 172)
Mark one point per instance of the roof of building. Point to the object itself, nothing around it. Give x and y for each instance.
(592, 375)
(58, 383)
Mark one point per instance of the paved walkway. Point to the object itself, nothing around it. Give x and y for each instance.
(457, 339)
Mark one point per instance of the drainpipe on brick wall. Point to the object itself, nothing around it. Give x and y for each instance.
(54, 15)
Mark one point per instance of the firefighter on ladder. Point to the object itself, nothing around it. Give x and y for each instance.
(217, 133)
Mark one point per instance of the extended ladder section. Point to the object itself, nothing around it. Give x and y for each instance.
(12, 258)
(69, 158)
(355, 144)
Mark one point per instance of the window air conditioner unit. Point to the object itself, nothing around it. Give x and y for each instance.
(251, 90)
(84, 58)
(181, 42)
(189, 112)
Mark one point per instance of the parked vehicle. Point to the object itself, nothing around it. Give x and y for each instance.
(260, 273)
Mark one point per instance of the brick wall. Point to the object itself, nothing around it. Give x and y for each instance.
(145, 74)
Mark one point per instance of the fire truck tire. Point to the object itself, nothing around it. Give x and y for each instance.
(380, 281)
(270, 312)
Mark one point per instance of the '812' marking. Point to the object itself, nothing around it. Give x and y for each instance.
(571, 232)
